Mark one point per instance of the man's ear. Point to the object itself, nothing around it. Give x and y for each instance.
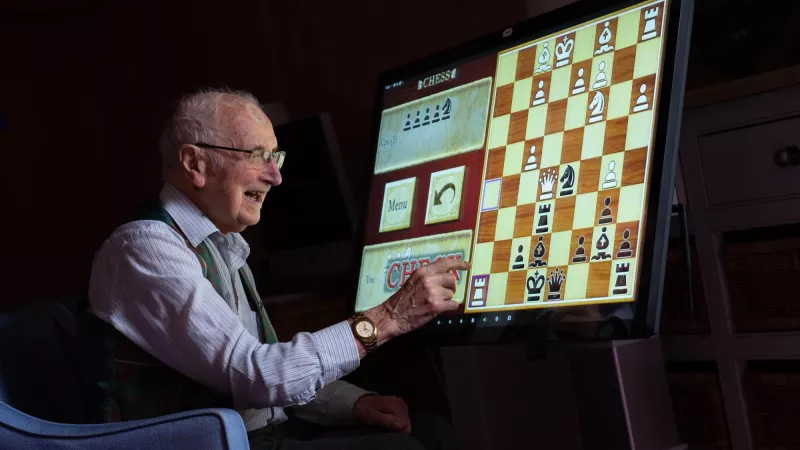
(193, 164)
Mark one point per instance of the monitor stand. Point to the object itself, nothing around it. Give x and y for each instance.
(605, 395)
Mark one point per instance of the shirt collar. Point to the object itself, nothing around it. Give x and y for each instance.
(195, 225)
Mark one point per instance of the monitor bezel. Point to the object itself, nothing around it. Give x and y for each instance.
(647, 307)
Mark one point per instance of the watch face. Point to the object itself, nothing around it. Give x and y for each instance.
(364, 329)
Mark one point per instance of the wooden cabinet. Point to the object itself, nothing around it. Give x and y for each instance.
(738, 161)
(744, 217)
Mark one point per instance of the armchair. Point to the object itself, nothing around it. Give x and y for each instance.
(42, 398)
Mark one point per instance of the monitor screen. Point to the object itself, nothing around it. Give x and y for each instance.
(537, 161)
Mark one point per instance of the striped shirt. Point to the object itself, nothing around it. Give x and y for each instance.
(150, 286)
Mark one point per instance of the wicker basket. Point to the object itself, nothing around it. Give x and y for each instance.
(763, 281)
(698, 406)
(772, 391)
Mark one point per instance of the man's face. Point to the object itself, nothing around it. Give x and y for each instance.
(234, 192)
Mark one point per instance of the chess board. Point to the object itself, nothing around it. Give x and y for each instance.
(566, 170)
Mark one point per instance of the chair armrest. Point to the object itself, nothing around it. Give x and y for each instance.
(202, 428)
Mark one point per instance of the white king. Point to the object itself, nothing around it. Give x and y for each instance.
(563, 50)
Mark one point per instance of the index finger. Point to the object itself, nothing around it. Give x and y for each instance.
(448, 264)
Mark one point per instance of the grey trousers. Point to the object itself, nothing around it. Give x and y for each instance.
(429, 432)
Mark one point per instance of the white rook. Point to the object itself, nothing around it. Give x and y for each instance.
(649, 31)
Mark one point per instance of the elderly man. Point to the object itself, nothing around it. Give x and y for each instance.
(176, 322)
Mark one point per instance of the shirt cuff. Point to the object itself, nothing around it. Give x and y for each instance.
(338, 352)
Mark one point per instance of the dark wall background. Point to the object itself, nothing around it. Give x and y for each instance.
(85, 85)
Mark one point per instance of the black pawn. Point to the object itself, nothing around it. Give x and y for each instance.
(625, 246)
(436, 115)
(519, 262)
(416, 121)
(408, 122)
(427, 118)
(580, 252)
(605, 215)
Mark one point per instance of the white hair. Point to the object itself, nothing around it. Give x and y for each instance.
(195, 120)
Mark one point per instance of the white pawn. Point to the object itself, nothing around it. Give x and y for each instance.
(531, 164)
(580, 85)
(611, 177)
(539, 99)
(600, 79)
(641, 101)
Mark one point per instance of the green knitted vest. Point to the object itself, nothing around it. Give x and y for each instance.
(126, 383)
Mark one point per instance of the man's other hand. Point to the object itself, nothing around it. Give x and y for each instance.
(383, 411)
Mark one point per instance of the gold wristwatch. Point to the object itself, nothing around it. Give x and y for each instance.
(365, 331)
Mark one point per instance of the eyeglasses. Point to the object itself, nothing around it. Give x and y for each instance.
(256, 156)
